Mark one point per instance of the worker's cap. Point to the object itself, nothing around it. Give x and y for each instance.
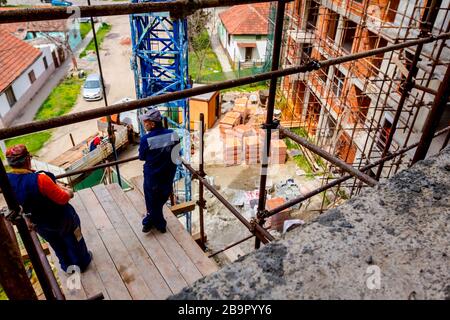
(152, 114)
(17, 154)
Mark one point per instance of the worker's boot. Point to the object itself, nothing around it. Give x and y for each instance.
(147, 227)
(162, 230)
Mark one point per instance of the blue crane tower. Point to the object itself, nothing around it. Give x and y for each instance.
(160, 64)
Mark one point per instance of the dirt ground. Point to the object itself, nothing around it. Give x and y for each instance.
(119, 80)
(221, 227)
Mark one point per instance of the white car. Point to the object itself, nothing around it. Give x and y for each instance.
(92, 88)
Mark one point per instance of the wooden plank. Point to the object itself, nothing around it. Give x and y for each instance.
(183, 207)
(117, 250)
(204, 264)
(91, 279)
(158, 255)
(138, 183)
(45, 247)
(75, 294)
(113, 205)
(173, 249)
(105, 265)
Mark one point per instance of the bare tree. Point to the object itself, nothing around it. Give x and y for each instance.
(199, 41)
(64, 43)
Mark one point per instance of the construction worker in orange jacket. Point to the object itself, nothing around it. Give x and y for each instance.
(47, 202)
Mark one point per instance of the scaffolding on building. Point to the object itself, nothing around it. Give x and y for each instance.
(361, 111)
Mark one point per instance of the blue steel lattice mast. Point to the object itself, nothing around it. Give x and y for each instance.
(160, 64)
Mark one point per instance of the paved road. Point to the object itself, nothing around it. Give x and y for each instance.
(119, 82)
(215, 42)
(59, 74)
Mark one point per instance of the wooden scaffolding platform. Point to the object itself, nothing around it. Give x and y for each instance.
(129, 264)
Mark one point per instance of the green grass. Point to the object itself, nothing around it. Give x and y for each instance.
(303, 164)
(59, 102)
(211, 69)
(61, 99)
(101, 34)
(85, 28)
(34, 141)
(249, 87)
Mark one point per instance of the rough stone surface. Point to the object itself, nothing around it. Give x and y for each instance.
(400, 227)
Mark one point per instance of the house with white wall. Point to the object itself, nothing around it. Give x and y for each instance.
(24, 69)
(243, 33)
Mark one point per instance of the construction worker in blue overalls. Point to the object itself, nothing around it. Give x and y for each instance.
(157, 150)
(47, 204)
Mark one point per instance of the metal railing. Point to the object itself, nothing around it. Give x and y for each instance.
(181, 8)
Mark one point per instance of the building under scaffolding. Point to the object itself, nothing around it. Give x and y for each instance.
(364, 109)
(364, 87)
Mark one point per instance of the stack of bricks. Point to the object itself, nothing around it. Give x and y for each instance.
(244, 130)
(240, 106)
(276, 222)
(252, 150)
(278, 151)
(229, 120)
(232, 151)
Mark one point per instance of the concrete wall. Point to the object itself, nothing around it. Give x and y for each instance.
(23, 89)
(391, 242)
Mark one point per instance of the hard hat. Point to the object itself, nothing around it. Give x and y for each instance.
(152, 114)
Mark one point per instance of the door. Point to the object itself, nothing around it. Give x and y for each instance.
(55, 59)
(248, 54)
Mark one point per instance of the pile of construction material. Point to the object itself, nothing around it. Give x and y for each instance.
(243, 138)
(232, 151)
(228, 121)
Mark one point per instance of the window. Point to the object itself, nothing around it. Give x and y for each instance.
(333, 19)
(229, 39)
(313, 13)
(338, 82)
(349, 35)
(31, 76)
(258, 37)
(45, 63)
(10, 96)
(306, 53)
(384, 134)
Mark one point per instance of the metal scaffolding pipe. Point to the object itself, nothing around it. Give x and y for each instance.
(329, 157)
(187, 93)
(99, 166)
(201, 198)
(40, 264)
(297, 200)
(425, 28)
(437, 110)
(269, 125)
(13, 276)
(177, 8)
(257, 229)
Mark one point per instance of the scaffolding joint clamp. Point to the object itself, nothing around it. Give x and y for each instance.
(201, 204)
(253, 223)
(273, 125)
(313, 65)
(12, 215)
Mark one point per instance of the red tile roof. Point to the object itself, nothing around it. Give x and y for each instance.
(15, 57)
(19, 29)
(246, 19)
